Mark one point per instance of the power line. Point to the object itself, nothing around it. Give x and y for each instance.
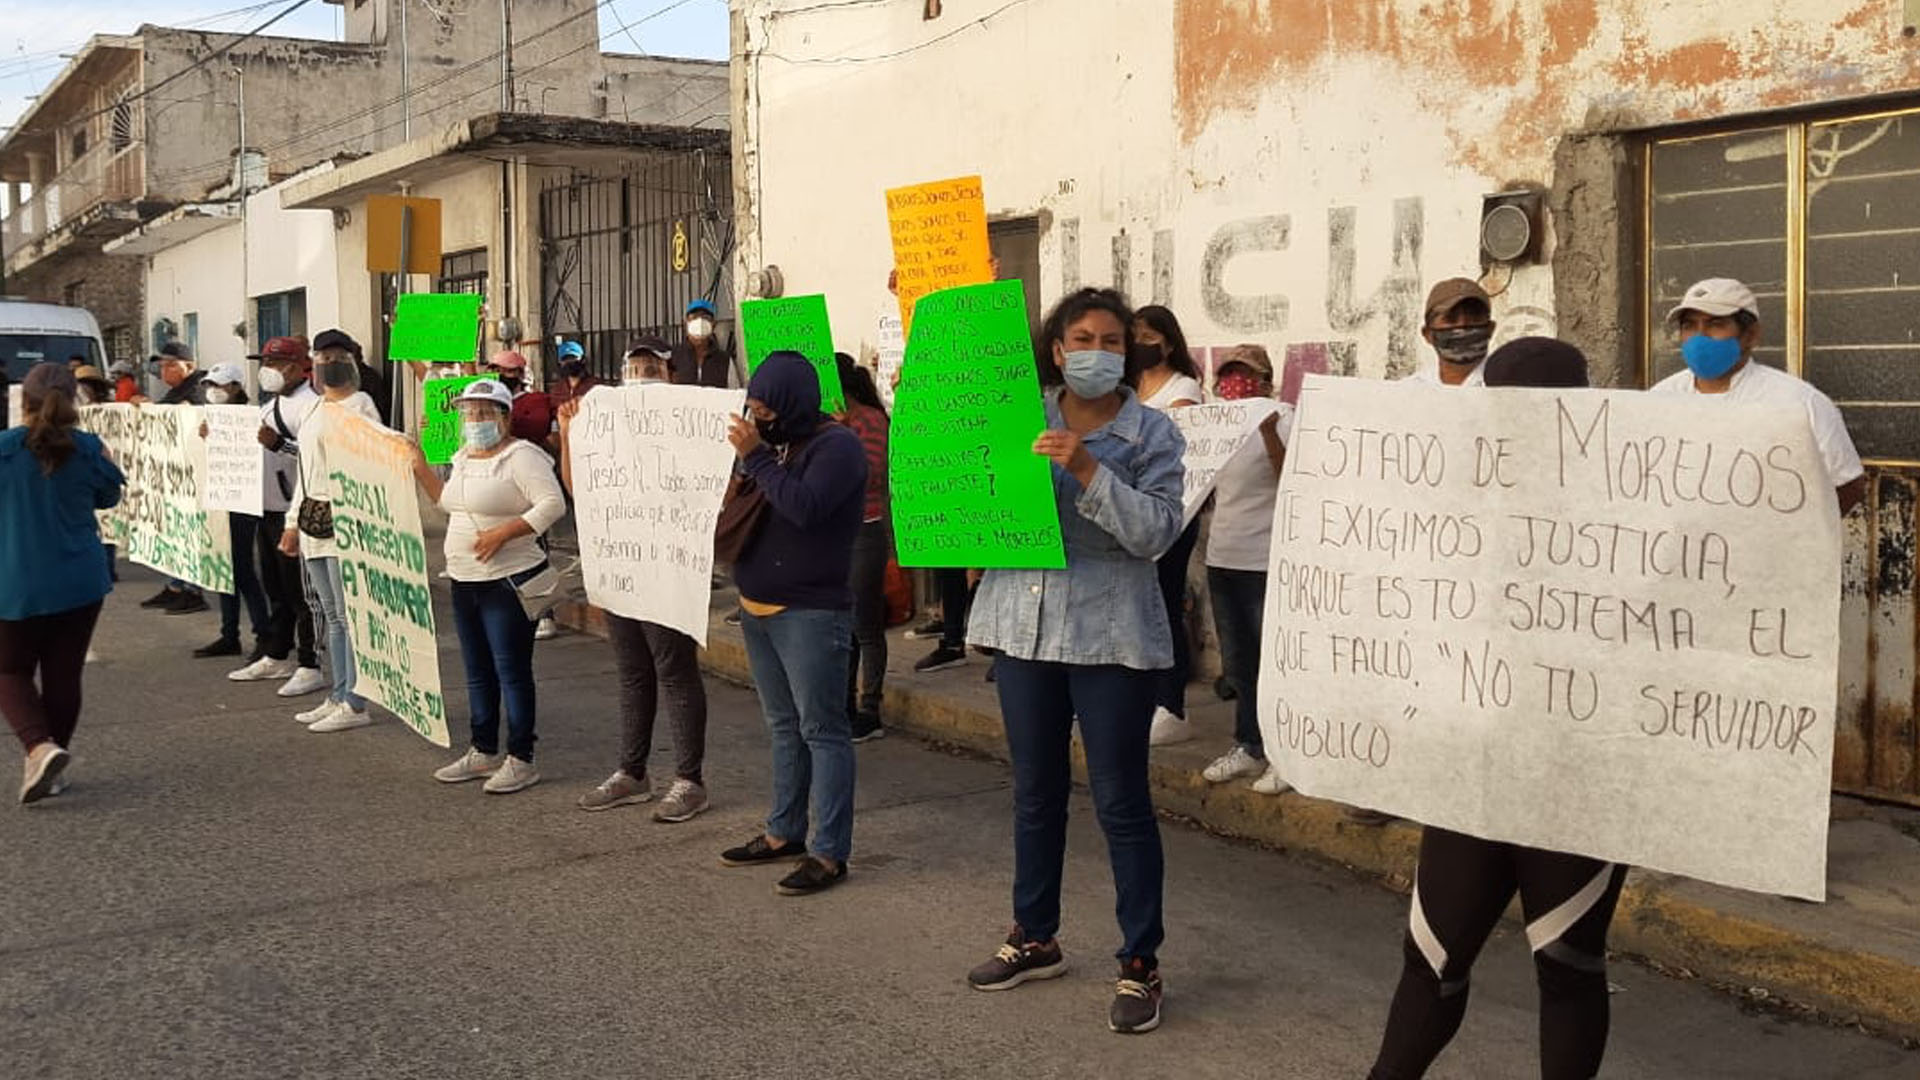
(885, 56)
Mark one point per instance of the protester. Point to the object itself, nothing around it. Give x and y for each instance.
(1717, 323)
(500, 497)
(1459, 325)
(701, 360)
(1463, 884)
(1238, 543)
(646, 361)
(1088, 642)
(798, 619)
(369, 380)
(1163, 371)
(174, 365)
(125, 386)
(287, 647)
(52, 480)
(574, 381)
(532, 419)
(226, 384)
(652, 661)
(311, 535)
(94, 389)
(866, 675)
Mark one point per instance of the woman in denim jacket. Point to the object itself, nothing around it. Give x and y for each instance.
(1086, 642)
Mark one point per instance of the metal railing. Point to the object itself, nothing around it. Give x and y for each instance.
(102, 175)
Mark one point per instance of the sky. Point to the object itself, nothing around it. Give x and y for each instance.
(35, 32)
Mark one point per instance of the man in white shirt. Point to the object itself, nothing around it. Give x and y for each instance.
(1459, 325)
(1717, 323)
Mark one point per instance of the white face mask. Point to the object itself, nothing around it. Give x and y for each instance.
(271, 380)
(218, 396)
(700, 328)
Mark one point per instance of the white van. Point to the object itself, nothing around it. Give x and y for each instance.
(31, 333)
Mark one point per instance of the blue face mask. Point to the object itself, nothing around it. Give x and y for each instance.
(1093, 373)
(1710, 357)
(481, 434)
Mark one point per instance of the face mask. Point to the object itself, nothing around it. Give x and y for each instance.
(770, 430)
(573, 369)
(217, 396)
(1237, 386)
(1710, 357)
(272, 381)
(511, 382)
(339, 375)
(1093, 373)
(481, 434)
(700, 328)
(1463, 344)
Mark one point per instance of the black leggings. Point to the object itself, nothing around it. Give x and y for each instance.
(1461, 888)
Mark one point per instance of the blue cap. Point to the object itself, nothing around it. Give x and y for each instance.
(701, 305)
(571, 350)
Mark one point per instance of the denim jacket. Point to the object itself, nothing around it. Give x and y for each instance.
(1105, 607)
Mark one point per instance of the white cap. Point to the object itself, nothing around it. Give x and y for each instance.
(1717, 296)
(487, 390)
(226, 375)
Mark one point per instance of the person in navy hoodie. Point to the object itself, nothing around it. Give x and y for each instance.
(797, 616)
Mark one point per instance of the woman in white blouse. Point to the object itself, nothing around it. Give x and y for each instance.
(500, 497)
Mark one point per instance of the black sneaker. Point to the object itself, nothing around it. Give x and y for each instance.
(1018, 961)
(940, 659)
(927, 631)
(218, 647)
(188, 603)
(1136, 999)
(163, 598)
(811, 876)
(757, 851)
(866, 727)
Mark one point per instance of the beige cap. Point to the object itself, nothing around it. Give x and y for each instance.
(1717, 296)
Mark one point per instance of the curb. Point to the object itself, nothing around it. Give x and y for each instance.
(1654, 921)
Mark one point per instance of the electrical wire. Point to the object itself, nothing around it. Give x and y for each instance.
(894, 54)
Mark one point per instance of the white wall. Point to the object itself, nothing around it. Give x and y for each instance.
(202, 276)
(293, 249)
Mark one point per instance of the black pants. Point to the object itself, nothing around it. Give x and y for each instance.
(1170, 686)
(243, 530)
(289, 619)
(657, 661)
(955, 599)
(1461, 888)
(867, 674)
(53, 648)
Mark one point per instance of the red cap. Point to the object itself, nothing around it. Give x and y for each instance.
(282, 348)
(508, 359)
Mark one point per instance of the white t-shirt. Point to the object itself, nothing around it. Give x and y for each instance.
(1244, 493)
(485, 492)
(1178, 388)
(1430, 374)
(311, 480)
(1758, 382)
(283, 414)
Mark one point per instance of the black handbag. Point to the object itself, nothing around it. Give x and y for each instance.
(316, 519)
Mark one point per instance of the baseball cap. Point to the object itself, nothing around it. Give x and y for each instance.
(121, 367)
(655, 345)
(1717, 296)
(336, 339)
(487, 390)
(1252, 357)
(507, 359)
(701, 305)
(1536, 361)
(282, 348)
(571, 350)
(226, 375)
(1450, 293)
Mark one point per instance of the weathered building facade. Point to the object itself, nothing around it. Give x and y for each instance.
(1296, 172)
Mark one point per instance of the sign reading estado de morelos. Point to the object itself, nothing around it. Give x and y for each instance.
(1601, 622)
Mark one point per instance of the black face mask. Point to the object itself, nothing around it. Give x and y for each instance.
(573, 369)
(770, 431)
(1463, 344)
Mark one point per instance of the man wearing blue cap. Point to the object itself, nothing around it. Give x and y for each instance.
(701, 360)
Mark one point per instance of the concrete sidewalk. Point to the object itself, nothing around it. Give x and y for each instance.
(1855, 959)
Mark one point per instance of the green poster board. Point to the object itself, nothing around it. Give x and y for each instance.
(968, 490)
(438, 327)
(439, 421)
(798, 323)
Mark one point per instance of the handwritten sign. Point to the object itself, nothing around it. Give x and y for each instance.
(383, 568)
(799, 324)
(16, 405)
(939, 239)
(161, 521)
(1215, 433)
(436, 327)
(236, 466)
(892, 351)
(650, 465)
(1591, 621)
(439, 420)
(968, 490)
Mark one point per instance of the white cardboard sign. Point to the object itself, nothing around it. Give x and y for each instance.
(236, 464)
(1214, 434)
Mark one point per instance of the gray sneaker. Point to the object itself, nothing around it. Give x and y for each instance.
(684, 800)
(617, 790)
(512, 775)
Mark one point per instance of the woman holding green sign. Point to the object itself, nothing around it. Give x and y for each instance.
(1088, 642)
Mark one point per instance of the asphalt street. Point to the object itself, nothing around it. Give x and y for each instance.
(223, 894)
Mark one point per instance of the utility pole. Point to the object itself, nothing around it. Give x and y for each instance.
(406, 103)
(506, 55)
(246, 304)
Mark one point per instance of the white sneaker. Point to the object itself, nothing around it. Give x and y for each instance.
(472, 766)
(1168, 728)
(1233, 765)
(513, 775)
(1271, 784)
(305, 680)
(265, 668)
(317, 713)
(546, 628)
(343, 718)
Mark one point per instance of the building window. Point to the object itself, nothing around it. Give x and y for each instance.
(75, 293)
(1822, 219)
(120, 130)
(190, 332)
(463, 272)
(79, 144)
(120, 343)
(282, 314)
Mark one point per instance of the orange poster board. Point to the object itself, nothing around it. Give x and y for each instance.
(939, 239)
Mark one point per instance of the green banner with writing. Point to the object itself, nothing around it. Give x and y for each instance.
(439, 327)
(798, 323)
(439, 421)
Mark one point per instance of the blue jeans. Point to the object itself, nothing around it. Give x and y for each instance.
(1038, 702)
(1239, 607)
(496, 644)
(799, 660)
(241, 529)
(324, 574)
